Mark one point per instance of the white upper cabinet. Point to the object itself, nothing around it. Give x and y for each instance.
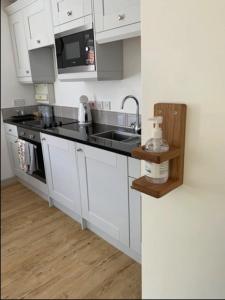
(103, 182)
(20, 49)
(117, 19)
(65, 11)
(61, 172)
(38, 24)
(112, 14)
(31, 27)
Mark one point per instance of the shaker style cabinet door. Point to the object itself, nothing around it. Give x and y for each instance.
(117, 13)
(103, 181)
(61, 171)
(135, 218)
(38, 24)
(21, 56)
(13, 153)
(68, 10)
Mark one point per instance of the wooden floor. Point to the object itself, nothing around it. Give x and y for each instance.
(46, 255)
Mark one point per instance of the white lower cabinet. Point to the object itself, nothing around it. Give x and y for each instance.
(135, 218)
(12, 141)
(103, 182)
(134, 171)
(95, 184)
(61, 172)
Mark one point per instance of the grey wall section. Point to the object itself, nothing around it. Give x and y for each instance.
(42, 65)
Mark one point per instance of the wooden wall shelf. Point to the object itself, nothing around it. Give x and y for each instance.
(173, 128)
(155, 157)
(155, 190)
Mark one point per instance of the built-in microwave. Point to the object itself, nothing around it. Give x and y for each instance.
(75, 50)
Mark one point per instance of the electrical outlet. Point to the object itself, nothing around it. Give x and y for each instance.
(103, 105)
(107, 105)
(93, 104)
(19, 102)
(99, 105)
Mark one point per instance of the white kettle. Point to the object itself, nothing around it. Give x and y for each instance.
(84, 113)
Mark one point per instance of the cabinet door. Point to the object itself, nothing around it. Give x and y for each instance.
(117, 13)
(68, 10)
(135, 218)
(13, 153)
(61, 171)
(20, 49)
(38, 24)
(103, 181)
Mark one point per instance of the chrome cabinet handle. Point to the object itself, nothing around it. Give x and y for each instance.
(16, 141)
(120, 17)
(79, 150)
(10, 130)
(38, 41)
(69, 13)
(43, 139)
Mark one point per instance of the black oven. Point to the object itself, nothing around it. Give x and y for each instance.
(75, 50)
(33, 137)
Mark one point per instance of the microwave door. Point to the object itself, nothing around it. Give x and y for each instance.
(71, 53)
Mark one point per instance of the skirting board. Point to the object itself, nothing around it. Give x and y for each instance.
(8, 181)
(67, 211)
(33, 189)
(134, 255)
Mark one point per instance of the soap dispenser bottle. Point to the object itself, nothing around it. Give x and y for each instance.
(157, 173)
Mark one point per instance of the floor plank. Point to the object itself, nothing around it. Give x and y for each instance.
(46, 255)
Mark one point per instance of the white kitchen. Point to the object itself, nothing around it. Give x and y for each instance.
(102, 104)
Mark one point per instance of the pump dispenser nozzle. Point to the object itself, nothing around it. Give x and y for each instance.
(157, 130)
(156, 120)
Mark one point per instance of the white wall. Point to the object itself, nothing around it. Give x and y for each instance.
(10, 89)
(183, 60)
(67, 94)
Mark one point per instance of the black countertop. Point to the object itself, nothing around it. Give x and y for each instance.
(84, 134)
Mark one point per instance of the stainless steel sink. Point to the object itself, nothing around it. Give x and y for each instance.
(118, 136)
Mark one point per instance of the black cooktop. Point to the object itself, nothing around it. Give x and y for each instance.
(70, 129)
(46, 123)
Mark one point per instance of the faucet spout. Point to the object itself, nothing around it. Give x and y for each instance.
(137, 123)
